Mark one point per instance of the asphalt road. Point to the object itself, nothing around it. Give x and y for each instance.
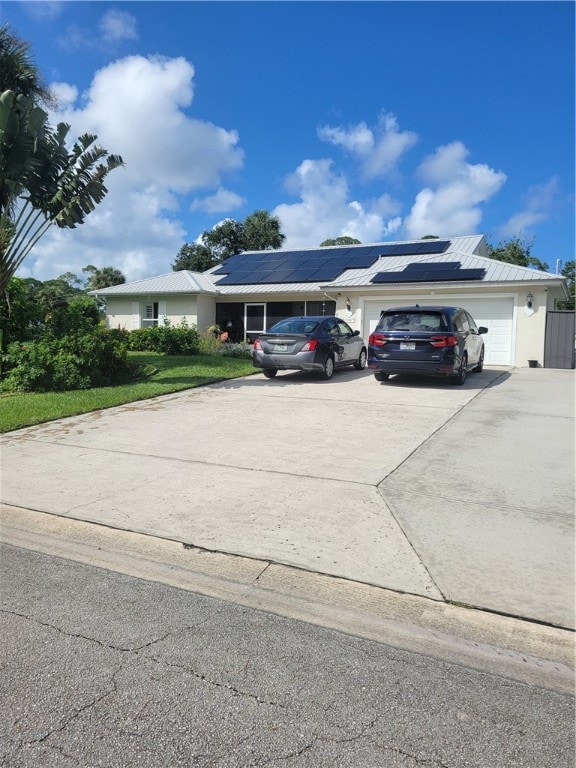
(103, 669)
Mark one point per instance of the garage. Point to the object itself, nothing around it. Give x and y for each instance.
(496, 313)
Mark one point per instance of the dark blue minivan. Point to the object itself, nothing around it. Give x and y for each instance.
(426, 341)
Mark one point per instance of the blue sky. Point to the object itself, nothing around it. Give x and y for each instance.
(378, 120)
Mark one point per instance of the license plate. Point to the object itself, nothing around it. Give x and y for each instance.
(280, 347)
(407, 345)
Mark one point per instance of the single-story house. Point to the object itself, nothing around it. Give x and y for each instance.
(250, 291)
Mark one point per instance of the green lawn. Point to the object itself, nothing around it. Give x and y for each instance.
(171, 374)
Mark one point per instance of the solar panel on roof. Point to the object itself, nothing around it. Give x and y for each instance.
(304, 275)
(419, 248)
(387, 250)
(333, 252)
(432, 246)
(430, 276)
(320, 264)
(429, 266)
(393, 277)
(361, 260)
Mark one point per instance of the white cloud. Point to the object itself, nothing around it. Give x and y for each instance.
(451, 203)
(65, 93)
(43, 10)
(135, 104)
(118, 25)
(379, 150)
(136, 108)
(221, 202)
(325, 210)
(538, 205)
(114, 28)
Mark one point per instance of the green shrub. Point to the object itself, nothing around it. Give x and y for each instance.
(210, 344)
(76, 316)
(169, 340)
(239, 349)
(95, 359)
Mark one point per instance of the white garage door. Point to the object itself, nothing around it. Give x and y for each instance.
(496, 314)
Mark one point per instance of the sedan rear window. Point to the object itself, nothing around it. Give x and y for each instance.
(292, 325)
(412, 321)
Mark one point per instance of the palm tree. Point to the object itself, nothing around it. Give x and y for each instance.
(41, 182)
(19, 73)
(102, 278)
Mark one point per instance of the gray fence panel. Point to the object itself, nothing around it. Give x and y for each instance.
(559, 349)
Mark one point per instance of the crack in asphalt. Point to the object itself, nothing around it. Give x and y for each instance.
(22, 743)
(363, 734)
(136, 651)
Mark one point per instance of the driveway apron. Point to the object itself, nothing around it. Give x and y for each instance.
(460, 493)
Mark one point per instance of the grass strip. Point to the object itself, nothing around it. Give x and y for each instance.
(169, 374)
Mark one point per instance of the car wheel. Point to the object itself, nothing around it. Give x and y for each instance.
(360, 364)
(269, 372)
(480, 367)
(328, 369)
(380, 376)
(460, 377)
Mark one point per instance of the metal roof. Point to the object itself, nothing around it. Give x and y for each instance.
(174, 282)
(470, 251)
(496, 271)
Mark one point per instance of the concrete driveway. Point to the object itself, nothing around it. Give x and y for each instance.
(455, 493)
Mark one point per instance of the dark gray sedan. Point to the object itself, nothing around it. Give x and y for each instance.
(309, 343)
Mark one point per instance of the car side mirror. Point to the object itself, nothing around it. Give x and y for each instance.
(482, 329)
(356, 333)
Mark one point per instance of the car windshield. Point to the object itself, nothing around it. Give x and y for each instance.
(412, 321)
(294, 325)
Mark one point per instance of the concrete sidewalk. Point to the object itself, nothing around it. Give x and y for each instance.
(453, 493)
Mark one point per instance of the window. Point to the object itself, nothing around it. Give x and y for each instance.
(150, 315)
(429, 322)
(461, 322)
(473, 326)
(255, 317)
(344, 328)
(324, 308)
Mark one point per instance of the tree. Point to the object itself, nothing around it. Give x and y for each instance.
(261, 232)
(33, 310)
(196, 258)
(43, 183)
(258, 232)
(53, 298)
(514, 251)
(568, 271)
(19, 73)
(344, 240)
(21, 316)
(224, 240)
(102, 278)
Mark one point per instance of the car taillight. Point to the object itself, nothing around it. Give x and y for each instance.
(310, 346)
(257, 344)
(377, 339)
(444, 341)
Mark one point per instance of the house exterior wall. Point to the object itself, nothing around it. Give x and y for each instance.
(205, 312)
(531, 323)
(528, 325)
(120, 314)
